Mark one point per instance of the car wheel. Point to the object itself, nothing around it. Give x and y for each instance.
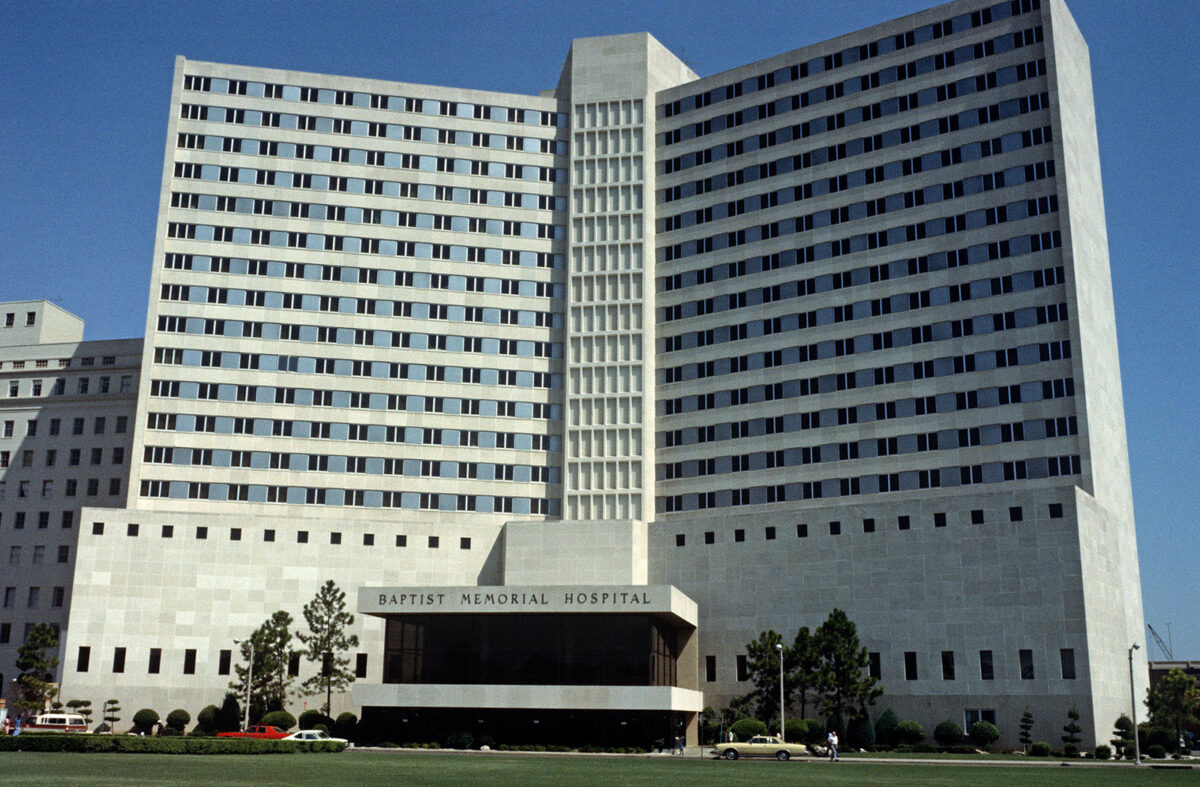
(782, 756)
(731, 754)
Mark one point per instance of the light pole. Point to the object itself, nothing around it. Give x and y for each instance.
(249, 680)
(779, 649)
(1137, 747)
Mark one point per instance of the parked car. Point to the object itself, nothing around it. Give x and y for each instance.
(261, 731)
(760, 746)
(314, 736)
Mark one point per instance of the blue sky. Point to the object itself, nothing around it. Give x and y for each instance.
(83, 114)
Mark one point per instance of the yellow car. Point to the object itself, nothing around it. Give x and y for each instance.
(760, 746)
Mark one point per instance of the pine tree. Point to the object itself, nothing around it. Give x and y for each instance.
(1072, 729)
(804, 677)
(1122, 735)
(1026, 734)
(270, 683)
(762, 664)
(36, 663)
(1174, 701)
(326, 640)
(846, 685)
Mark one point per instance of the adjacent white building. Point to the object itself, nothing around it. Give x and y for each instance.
(832, 329)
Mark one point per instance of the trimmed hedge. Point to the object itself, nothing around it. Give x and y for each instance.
(138, 744)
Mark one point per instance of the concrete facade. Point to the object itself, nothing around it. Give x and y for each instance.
(830, 329)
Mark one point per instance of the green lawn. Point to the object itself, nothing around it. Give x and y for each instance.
(526, 770)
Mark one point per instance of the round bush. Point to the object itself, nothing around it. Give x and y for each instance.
(144, 719)
(909, 732)
(796, 730)
(1070, 750)
(1039, 750)
(983, 733)
(178, 719)
(948, 733)
(1156, 751)
(309, 720)
(1103, 752)
(346, 724)
(206, 719)
(745, 729)
(279, 718)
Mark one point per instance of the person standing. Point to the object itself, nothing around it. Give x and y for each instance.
(832, 740)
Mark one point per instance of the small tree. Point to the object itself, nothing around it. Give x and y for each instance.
(206, 719)
(1122, 735)
(229, 715)
(178, 719)
(83, 708)
(1072, 729)
(804, 675)
(1174, 702)
(885, 728)
(846, 684)
(111, 714)
(1025, 736)
(983, 733)
(326, 641)
(36, 662)
(762, 664)
(144, 720)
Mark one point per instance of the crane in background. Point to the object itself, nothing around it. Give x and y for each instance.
(1164, 647)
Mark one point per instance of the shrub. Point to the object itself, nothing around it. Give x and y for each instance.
(178, 719)
(861, 734)
(279, 718)
(346, 725)
(144, 719)
(885, 728)
(457, 740)
(175, 745)
(948, 733)
(206, 719)
(745, 729)
(1103, 752)
(984, 733)
(1070, 750)
(1156, 751)
(229, 716)
(796, 730)
(309, 720)
(909, 733)
(1039, 750)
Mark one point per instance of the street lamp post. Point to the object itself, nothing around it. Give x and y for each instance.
(1137, 746)
(249, 680)
(779, 649)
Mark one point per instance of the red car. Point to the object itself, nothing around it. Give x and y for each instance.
(264, 731)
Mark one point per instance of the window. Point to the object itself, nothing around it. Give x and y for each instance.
(947, 665)
(710, 669)
(235, 534)
(223, 659)
(970, 716)
(98, 425)
(464, 543)
(68, 520)
(14, 555)
(743, 671)
(910, 665)
(710, 537)
(58, 597)
(294, 665)
(977, 516)
(1026, 658)
(168, 531)
(189, 661)
(201, 533)
(680, 540)
(64, 553)
(122, 424)
(769, 533)
(801, 531)
(335, 538)
(35, 594)
(77, 426)
(874, 668)
(83, 660)
(986, 670)
(1066, 658)
(1015, 514)
(97, 528)
(939, 519)
(1056, 510)
(868, 525)
(119, 660)
(401, 541)
(739, 535)
(155, 661)
(905, 523)
(132, 529)
(835, 528)
(10, 597)
(302, 537)
(55, 426)
(433, 542)
(268, 535)
(360, 665)
(39, 555)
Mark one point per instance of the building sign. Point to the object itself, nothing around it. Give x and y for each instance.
(550, 598)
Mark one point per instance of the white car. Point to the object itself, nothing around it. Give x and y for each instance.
(314, 736)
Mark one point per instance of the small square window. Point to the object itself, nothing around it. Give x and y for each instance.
(302, 537)
(201, 533)
(131, 529)
(335, 538)
(464, 543)
(1056, 510)
(905, 523)
(268, 535)
(168, 531)
(835, 528)
(977, 516)
(1015, 514)
(401, 541)
(868, 525)
(710, 537)
(739, 535)
(97, 528)
(433, 542)
(680, 540)
(939, 519)
(368, 539)
(235, 534)
(769, 533)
